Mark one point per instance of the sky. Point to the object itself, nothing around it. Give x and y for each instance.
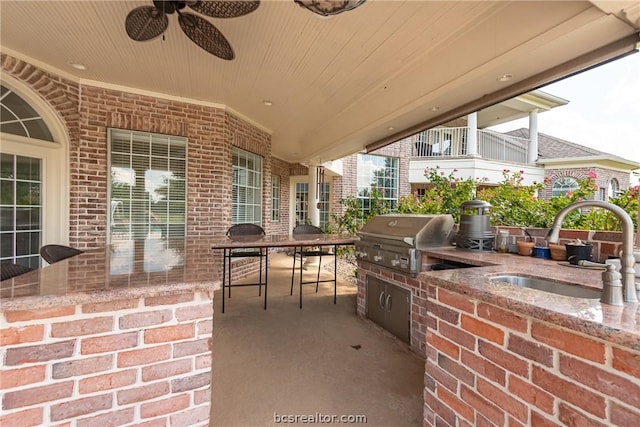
(603, 110)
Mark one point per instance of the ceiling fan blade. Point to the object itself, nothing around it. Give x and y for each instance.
(224, 9)
(145, 23)
(205, 35)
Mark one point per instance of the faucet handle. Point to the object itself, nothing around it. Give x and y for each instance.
(591, 264)
(611, 286)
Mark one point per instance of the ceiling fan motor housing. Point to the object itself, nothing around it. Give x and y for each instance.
(169, 6)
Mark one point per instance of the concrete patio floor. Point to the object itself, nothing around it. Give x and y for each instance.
(322, 359)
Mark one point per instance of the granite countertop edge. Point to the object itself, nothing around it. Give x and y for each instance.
(38, 302)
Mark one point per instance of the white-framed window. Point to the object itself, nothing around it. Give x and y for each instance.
(275, 198)
(564, 185)
(614, 187)
(377, 172)
(148, 185)
(246, 204)
(602, 194)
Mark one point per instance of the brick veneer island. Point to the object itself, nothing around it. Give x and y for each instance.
(497, 354)
(113, 336)
(120, 334)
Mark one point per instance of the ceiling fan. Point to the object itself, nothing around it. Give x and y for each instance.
(148, 22)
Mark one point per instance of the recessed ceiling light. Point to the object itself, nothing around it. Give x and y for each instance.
(267, 103)
(504, 77)
(435, 108)
(77, 65)
(390, 128)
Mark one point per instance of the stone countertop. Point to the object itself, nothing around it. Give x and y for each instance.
(124, 269)
(614, 324)
(140, 268)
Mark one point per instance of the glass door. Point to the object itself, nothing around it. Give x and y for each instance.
(20, 209)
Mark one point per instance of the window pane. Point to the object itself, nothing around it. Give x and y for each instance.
(6, 166)
(27, 218)
(27, 193)
(6, 192)
(6, 246)
(27, 168)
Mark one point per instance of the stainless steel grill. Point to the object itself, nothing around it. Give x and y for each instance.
(394, 241)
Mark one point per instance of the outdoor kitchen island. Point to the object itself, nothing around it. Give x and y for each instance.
(118, 335)
(498, 354)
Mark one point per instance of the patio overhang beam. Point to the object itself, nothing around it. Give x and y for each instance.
(611, 52)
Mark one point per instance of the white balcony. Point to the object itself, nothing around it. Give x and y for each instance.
(446, 148)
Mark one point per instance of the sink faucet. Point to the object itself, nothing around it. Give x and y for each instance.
(627, 259)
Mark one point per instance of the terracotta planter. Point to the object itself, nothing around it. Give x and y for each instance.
(558, 252)
(525, 248)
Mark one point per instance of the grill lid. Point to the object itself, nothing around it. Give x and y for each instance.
(409, 230)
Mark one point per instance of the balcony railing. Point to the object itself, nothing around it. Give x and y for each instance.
(452, 142)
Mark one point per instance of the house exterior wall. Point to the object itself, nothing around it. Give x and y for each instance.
(348, 183)
(87, 112)
(604, 176)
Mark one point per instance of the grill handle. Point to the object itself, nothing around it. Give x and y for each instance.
(410, 241)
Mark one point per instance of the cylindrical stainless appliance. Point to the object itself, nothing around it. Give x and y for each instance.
(474, 231)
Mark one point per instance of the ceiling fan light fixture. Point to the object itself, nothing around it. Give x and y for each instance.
(329, 7)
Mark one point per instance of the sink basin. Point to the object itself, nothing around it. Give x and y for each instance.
(550, 286)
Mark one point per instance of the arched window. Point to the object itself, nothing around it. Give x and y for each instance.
(614, 187)
(17, 117)
(562, 186)
(33, 178)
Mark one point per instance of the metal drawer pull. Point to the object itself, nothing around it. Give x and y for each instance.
(389, 303)
(381, 299)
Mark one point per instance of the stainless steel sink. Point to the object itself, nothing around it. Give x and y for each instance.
(550, 286)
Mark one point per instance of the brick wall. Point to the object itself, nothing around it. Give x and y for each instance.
(115, 363)
(87, 112)
(281, 169)
(604, 176)
(490, 366)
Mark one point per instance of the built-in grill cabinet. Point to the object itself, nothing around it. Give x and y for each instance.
(389, 306)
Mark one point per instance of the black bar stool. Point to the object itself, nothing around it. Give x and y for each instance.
(245, 229)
